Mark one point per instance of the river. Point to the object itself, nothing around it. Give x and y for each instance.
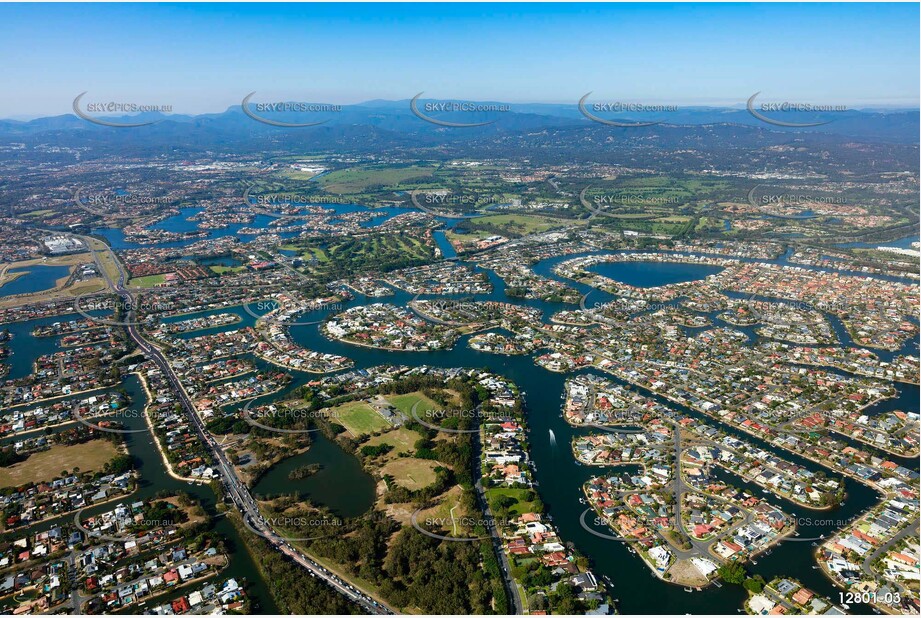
(344, 488)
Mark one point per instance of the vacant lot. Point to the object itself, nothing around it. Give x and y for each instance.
(411, 473)
(495, 495)
(47, 465)
(358, 418)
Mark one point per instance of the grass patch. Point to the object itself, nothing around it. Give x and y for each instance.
(220, 270)
(401, 439)
(438, 518)
(405, 403)
(358, 418)
(47, 465)
(147, 282)
(521, 224)
(87, 287)
(410, 472)
(356, 179)
(37, 213)
(522, 505)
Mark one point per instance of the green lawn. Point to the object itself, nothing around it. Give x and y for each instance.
(358, 417)
(357, 179)
(522, 224)
(220, 270)
(401, 439)
(147, 282)
(405, 403)
(522, 506)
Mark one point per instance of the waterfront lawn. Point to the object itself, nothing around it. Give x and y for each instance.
(522, 505)
(410, 472)
(47, 465)
(358, 418)
(147, 282)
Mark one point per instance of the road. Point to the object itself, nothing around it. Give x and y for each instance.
(867, 564)
(234, 487)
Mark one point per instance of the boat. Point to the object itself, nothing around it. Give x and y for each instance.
(689, 589)
(845, 606)
(717, 583)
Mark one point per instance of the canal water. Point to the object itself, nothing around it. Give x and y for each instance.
(37, 278)
(183, 222)
(154, 479)
(343, 487)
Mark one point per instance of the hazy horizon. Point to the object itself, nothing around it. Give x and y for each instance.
(204, 58)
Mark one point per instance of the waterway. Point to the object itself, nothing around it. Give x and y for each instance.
(155, 479)
(184, 222)
(344, 488)
(37, 278)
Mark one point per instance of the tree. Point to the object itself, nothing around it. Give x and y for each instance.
(732, 573)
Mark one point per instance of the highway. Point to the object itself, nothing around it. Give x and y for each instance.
(242, 499)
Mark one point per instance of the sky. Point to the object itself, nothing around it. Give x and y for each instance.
(202, 58)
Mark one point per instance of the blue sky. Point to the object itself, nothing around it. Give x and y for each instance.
(206, 57)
